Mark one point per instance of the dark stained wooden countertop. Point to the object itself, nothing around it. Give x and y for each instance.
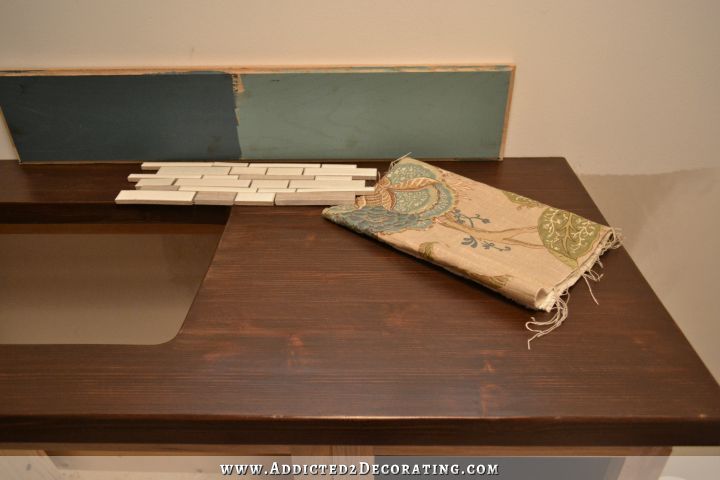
(76, 193)
(304, 332)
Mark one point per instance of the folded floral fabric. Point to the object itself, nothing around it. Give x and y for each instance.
(530, 252)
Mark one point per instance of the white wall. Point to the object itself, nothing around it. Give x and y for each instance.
(615, 86)
(626, 90)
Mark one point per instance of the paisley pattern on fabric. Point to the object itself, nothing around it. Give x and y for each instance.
(410, 196)
(375, 219)
(522, 202)
(567, 236)
(415, 196)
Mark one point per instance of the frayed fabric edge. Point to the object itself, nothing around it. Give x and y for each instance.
(541, 328)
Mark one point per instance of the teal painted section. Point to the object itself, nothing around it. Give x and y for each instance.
(373, 115)
(121, 117)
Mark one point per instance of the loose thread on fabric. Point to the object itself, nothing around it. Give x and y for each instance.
(587, 282)
(614, 242)
(392, 164)
(542, 328)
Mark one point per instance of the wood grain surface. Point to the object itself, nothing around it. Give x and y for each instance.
(38, 194)
(306, 333)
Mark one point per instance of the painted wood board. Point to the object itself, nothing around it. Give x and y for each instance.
(121, 117)
(377, 115)
(265, 113)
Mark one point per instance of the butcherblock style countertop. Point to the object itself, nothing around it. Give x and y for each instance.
(306, 333)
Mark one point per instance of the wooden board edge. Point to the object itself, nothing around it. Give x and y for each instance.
(112, 228)
(286, 449)
(506, 120)
(96, 162)
(237, 71)
(249, 70)
(5, 127)
(252, 160)
(34, 464)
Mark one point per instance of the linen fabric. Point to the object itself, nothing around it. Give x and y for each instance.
(527, 251)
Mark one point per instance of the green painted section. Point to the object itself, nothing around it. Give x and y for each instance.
(373, 114)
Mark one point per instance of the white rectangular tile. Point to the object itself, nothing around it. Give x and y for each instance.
(214, 198)
(315, 198)
(284, 172)
(270, 183)
(157, 165)
(216, 181)
(327, 184)
(338, 165)
(159, 187)
(155, 197)
(154, 181)
(265, 176)
(230, 164)
(289, 165)
(357, 173)
(156, 184)
(134, 177)
(261, 176)
(248, 171)
(198, 188)
(208, 170)
(255, 199)
(357, 191)
(333, 177)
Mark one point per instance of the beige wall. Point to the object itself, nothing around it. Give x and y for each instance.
(616, 86)
(626, 90)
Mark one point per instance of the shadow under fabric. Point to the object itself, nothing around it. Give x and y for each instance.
(525, 250)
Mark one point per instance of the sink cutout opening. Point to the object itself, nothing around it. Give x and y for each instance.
(119, 286)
